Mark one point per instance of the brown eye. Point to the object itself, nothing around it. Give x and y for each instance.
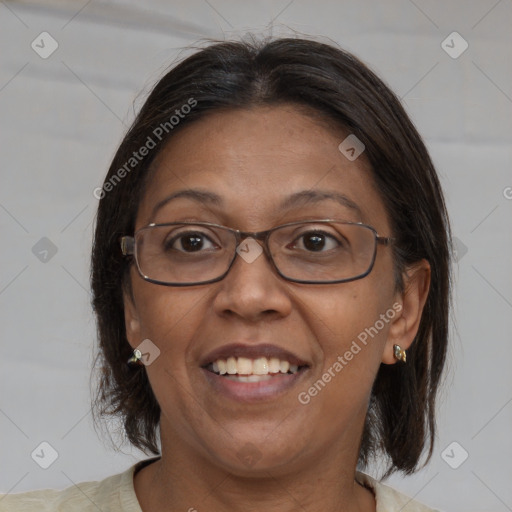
(316, 241)
(190, 242)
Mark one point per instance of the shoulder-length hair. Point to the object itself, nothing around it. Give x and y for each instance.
(330, 84)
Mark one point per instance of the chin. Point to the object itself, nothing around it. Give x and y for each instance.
(255, 453)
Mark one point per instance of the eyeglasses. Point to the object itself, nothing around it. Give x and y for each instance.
(312, 251)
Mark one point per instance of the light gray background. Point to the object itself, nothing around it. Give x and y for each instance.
(63, 117)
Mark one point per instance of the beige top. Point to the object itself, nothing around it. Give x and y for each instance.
(117, 494)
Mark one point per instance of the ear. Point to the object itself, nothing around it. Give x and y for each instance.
(409, 305)
(131, 319)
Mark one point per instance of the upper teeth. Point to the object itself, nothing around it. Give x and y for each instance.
(246, 366)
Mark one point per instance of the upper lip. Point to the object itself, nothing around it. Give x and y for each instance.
(252, 352)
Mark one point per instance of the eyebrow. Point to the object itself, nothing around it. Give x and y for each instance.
(201, 196)
(315, 196)
(295, 200)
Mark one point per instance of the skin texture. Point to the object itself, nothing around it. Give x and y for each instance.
(254, 159)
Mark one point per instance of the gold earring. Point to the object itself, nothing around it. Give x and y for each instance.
(399, 353)
(136, 359)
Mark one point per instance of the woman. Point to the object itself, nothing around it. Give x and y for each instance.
(271, 257)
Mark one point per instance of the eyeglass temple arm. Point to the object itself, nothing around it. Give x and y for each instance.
(127, 245)
(384, 240)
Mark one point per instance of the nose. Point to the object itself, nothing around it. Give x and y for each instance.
(252, 289)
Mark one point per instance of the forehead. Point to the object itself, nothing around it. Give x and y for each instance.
(254, 160)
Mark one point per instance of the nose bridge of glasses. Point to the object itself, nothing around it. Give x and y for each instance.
(261, 236)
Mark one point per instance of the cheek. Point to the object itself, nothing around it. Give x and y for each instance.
(350, 325)
(169, 317)
(345, 314)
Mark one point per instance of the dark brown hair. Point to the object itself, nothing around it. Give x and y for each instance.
(337, 86)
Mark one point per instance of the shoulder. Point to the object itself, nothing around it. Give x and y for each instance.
(389, 499)
(115, 493)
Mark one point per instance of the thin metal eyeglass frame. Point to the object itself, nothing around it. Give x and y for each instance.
(128, 248)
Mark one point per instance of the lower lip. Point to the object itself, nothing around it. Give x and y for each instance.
(253, 391)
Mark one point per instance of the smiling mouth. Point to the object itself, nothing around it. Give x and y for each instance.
(244, 369)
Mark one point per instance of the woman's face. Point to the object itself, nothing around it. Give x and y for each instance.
(254, 160)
